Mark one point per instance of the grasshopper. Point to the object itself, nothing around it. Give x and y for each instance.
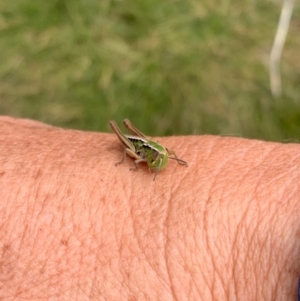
(139, 147)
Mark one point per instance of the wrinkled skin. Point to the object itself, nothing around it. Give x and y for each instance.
(73, 226)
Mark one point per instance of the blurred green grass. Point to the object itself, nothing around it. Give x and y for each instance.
(171, 67)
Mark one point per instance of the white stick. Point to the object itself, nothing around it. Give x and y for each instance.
(274, 64)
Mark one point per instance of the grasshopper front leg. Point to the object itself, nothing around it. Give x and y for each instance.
(158, 169)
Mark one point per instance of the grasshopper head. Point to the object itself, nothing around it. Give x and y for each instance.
(157, 160)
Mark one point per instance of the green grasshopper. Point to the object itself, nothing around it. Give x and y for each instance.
(139, 147)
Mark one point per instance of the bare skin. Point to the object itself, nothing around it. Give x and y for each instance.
(73, 226)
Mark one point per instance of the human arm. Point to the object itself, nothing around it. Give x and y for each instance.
(73, 226)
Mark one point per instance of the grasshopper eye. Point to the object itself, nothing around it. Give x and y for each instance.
(155, 155)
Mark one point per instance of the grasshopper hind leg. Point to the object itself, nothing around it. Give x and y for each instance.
(136, 162)
(131, 154)
(123, 158)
